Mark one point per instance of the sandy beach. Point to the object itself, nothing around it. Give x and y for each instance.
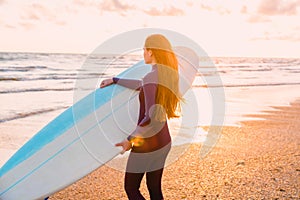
(259, 160)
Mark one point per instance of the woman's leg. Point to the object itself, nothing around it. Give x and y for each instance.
(151, 163)
(154, 175)
(132, 185)
(153, 180)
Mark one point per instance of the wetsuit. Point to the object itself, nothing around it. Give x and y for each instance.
(149, 155)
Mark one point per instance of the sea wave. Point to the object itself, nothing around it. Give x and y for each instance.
(38, 73)
(28, 114)
(67, 76)
(245, 85)
(35, 90)
(22, 68)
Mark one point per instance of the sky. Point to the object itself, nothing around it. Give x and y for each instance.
(251, 28)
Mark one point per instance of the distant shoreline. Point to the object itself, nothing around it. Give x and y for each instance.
(89, 53)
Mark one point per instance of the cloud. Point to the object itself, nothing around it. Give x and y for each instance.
(244, 10)
(206, 7)
(278, 7)
(255, 18)
(166, 11)
(37, 12)
(212, 7)
(223, 11)
(123, 8)
(81, 2)
(9, 26)
(32, 16)
(115, 5)
(268, 10)
(291, 37)
(26, 25)
(297, 28)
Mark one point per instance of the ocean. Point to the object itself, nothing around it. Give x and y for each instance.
(36, 87)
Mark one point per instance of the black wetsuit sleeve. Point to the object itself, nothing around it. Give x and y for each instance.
(147, 127)
(129, 83)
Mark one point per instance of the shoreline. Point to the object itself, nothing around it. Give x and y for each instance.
(260, 159)
(15, 133)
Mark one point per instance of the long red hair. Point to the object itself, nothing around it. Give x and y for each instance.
(168, 96)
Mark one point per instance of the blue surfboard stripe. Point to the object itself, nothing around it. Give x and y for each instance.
(67, 120)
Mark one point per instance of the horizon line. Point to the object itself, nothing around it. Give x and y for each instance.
(214, 56)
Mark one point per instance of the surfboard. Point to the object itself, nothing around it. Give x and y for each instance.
(83, 137)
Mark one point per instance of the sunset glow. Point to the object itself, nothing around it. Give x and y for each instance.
(223, 28)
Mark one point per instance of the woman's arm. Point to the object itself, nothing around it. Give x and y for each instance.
(129, 83)
(148, 126)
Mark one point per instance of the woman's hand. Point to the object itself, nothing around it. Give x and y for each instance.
(125, 144)
(106, 82)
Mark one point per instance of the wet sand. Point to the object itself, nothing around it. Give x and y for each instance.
(259, 160)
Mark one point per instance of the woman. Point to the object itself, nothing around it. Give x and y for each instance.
(159, 99)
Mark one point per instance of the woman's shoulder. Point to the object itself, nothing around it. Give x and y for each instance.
(151, 77)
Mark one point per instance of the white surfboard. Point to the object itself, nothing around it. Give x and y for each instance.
(82, 138)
